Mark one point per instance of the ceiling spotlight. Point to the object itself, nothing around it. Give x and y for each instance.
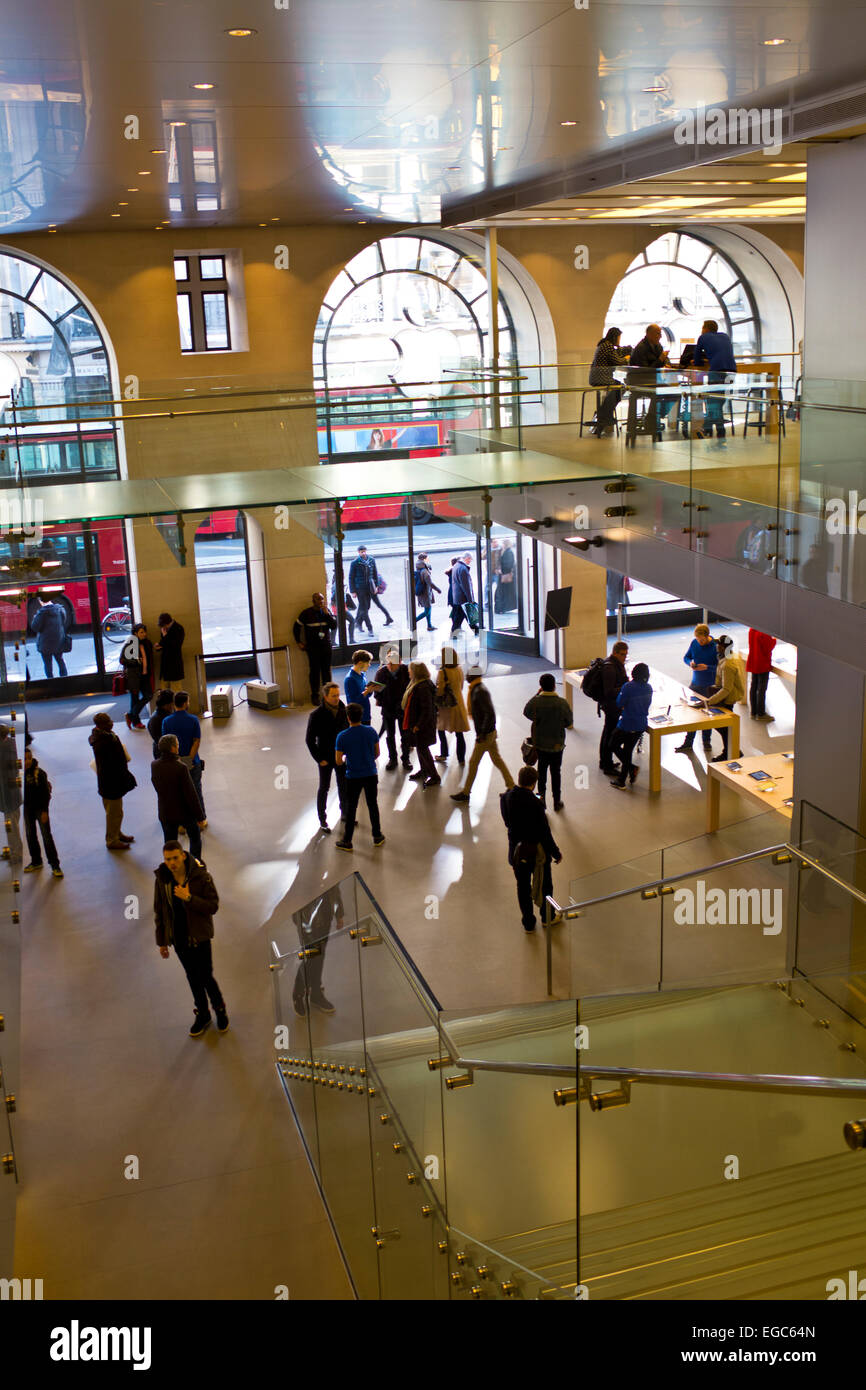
(132, 190)
(263, 224)
(532, 524)
(240, 33)
(123, 205)
(203, 86)
(114, 214)
(654, 89)
(774, 43)
(143, 171)
(584, 542)
(568, 122)
(159, 151)
(176, 124)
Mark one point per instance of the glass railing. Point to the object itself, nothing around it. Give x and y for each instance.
(712, 1152)
(703, 1127)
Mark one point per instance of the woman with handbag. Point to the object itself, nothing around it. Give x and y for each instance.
(451, 714)
(136, 658)
(419, 720)
(113, 779)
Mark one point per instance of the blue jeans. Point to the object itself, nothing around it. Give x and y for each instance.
(715, 407)
(47, 658)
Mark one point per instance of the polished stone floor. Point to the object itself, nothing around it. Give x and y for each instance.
(155, 1166)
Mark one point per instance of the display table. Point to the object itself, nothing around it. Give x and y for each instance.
(680, 718)
(770, 795)
(784, 663)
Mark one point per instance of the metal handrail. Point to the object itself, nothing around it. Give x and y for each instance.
(519, 1068)
(745, 1081)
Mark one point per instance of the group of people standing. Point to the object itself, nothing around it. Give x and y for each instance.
(138, 661)
(712, 355)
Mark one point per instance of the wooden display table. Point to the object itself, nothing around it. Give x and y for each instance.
(683, 718)
(778, 790)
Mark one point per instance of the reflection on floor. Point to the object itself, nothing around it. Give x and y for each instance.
(224, 1205)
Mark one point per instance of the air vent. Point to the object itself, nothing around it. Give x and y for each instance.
(830, 115)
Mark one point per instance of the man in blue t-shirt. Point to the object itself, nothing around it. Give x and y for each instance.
(356, 683)
(702, 658)
(187, 731)
(357, 749)
(715, 351)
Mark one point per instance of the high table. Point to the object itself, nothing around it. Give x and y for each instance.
(680, 718)
(770, 795)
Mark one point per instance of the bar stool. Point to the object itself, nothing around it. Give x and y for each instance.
(757, 402)
(636, 419)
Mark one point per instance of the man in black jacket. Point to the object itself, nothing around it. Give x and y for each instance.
(394, 678)
(614, 676)
(113, 779)
(312, 632)
(531, 845)
(484, 719)
(177, 801)
(364, 583)
(184, 902)
(323, 726)
(647, 359)
(170, 649)
(37, 795)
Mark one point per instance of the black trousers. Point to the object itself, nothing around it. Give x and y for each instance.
(611, 719)
(308, 976)
(137, 702)
(362, 616)
(170, 831)
(523, 875)
(552, 763)
(622, 746)
(389, 728)
(460, 740)
(324, 788)
(319, 659)
(758, 692)
(31, 821)
(425, 761)
(197, 961)
(374, 598)
(354, 787)
(604, 418)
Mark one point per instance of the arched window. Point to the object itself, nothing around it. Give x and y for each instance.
(677, 282)
(53, 362)
(407, 316)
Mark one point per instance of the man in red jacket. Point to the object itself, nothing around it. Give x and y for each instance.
(759, 663)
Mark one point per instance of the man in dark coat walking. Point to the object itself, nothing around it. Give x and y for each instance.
(113, 779)
(393, 677)
(365, 583)
(460, 593)
(184, 902)
(531, 846)
(312, 632)
(170, 650)
(177, 800)
(49, 624)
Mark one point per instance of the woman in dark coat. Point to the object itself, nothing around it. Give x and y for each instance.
(113, 779)
(419, 720)
(505, 598)
(137, 662)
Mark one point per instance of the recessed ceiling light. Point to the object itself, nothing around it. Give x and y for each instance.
(203, 86)
(114, 214)
(159, 151)
(275, 219)
(568, 122)
(362, 224)
(240, 33)
(159, 229)
(774, 43)
(143, 171)
(177, 124)
(123, 205)
(653, 89)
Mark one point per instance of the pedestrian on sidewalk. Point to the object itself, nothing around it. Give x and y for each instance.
(185, 900)
(37, 796)
(113, 779)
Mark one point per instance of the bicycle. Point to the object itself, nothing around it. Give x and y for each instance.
(117, 623)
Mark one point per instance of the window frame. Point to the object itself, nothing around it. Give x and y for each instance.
(196, 288)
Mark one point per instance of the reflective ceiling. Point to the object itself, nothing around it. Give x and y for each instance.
(135, 113)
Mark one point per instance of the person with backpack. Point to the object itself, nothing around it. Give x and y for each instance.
(531, 846)
(425, 589)
(602, 683)
(37, 795)
(551, 716)
(633, 701)
(729, 688)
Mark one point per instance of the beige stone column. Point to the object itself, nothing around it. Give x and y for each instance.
(287, 566)
(164, 585)
(586, 635)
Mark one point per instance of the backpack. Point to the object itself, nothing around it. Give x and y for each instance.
(419, 584)
(592, 684)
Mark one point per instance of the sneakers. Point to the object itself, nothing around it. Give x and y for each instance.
(377, 840)
(126, 839)
(324, 1006)
(128, 718)
(57, 871)
(200, 1024)
(33, 868)
(558, 805)
(459, 796)
(417, 777)
(118, 844)
(615, 782)
(407, 764)
(222, 1020)
(433, 782)
(441, 758)
(391, 766)
(685, 748)
(139, 728)
(324, 827)
(346, 845)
